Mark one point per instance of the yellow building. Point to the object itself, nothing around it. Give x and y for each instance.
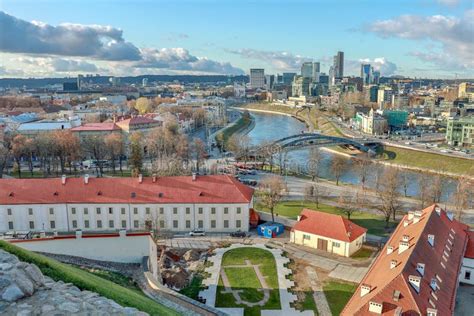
(328, 232)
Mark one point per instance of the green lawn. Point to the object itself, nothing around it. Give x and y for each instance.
(362, 254)
(88, 281)
(374, 223)
(194, 287)
(246, 280)
(338, 294)
(427, 160)
(116, 278)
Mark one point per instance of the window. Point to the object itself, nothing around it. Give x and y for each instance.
(111, 224)
(10, 225)
(336, 244)
(124, 224)
(30, 211)
(32, 225)
(239, 210)
(213, 210)
(238, 223)
(74, 224)
(135, 224)
(86, 211)
(188, 210)
(97, 210)
(467, 274)
(162, 224)
(52, 224)
(162, 210)
(73, 210)
(200, 210)
(86, 223)
(135, 210)
(122, 210)
(9, 211)
(111, 210)
(51, 211)
(188, 224)
(147, 210)
(226, 223)
(200, 224)
(175, 210)
(175, 224)
(213, 223)
(306, 237)
(99, 224)
(226, 210)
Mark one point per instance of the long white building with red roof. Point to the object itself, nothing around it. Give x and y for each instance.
(418, 270)
(217, 203)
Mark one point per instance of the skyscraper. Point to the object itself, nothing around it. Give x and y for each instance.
(316, 71)
(288, 77)
(366, 73)
(339, 65)
(80, 78)
(257, 78)
(307, 70)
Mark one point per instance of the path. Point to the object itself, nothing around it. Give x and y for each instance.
(318, 293)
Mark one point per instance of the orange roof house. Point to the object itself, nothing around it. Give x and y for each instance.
(329, 232)
(417, 271)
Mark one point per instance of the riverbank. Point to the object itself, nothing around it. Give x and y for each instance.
(244, 123)
(392, 156)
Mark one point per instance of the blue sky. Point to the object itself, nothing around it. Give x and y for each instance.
(424, 38)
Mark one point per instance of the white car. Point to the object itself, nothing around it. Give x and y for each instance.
(197, 233)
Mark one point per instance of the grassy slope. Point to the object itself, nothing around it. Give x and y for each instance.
(88, 281)
(338, 294)
(267, 267)
(374, 223)
(242, 123)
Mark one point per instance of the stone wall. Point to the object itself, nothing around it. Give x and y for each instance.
(24, 290)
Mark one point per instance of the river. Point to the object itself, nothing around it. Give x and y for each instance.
(270, 127)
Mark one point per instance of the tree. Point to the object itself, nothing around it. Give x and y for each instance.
(19, 149)
(436, 188)
(240, 146)
(362, 165)
(199, 152)
(4, 157)
(136, 153)
(271, 190)
(388, 194)
(314, 163)
(95, 146)
(143, 105)
(115, 149)
(463, 195)
(311, 193)
(347, 204)
(338, 166)
(67, 147)
(424, 189)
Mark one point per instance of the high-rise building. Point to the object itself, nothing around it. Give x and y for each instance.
(288, 77)
(339, 65)
(144, 82)
(257, 78)
(269, 81)
(366, 74)
(316, 71)
(376, 79)
(300, 86)
(80, 79)
(307, 69)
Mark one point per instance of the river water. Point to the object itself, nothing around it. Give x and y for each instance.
(269, 127)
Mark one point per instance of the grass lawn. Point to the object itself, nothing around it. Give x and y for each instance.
(117, 278)
(246, 280)
(338, 294)
(374, 223)
(88, 281)
(362, 254)
(427, 160)
(194, 287)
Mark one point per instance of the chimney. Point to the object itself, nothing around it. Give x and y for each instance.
(411, 214)
(78, 234)
(403, 245)
(389, 250)
(63, 179)
(123, 233)
(365, 289)
(431, 238)
(393, 264)
(153, 178)
(140, 178)
(86, 178)
(194, 176)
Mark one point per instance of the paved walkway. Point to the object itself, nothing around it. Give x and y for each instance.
(318, 293)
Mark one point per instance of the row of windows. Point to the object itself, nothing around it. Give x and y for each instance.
(135, 210)
(136, 224)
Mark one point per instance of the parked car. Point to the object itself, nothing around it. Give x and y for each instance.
(197, 232)
(238, 234)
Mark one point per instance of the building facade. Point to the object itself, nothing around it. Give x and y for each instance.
(186, 203)
(460, 131)
(257, 78)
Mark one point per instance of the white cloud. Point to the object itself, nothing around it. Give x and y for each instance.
(381, 64)
(454, 35)
(279, 60)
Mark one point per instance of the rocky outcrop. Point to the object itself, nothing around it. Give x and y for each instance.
(25, 291)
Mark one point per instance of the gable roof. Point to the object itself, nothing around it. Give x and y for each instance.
(328, 225)
(96, 127)
(470, 246)
(449, 238)
(211, 189)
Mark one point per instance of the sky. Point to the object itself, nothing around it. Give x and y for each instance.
(416, 38)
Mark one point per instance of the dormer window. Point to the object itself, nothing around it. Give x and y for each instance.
(133, 194)
(420, 267)
(365, 289)
(406, 238)
(389, 250)
(396, 295)
(375, 307)
(431, 312)
(415, 282)
(434, 284)
(431, 239)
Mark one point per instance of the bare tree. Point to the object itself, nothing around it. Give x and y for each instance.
(404, 181)
(463, 195)
(314, 163)
(388, 194)
(312, 194)
(362, 165)
(271, 191)
(115, 149)
(436, 188)
(424, 189)
(199, 152)
(95, 147)
(338, 166)
(240, 146)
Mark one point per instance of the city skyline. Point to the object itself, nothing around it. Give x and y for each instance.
(430, 39)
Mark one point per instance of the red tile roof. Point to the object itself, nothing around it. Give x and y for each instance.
(106, 126)
(137, 120)
(328, 225)
(384, 280)
(205, 189)
(470, 245)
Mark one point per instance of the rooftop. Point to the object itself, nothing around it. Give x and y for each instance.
(106, 126)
